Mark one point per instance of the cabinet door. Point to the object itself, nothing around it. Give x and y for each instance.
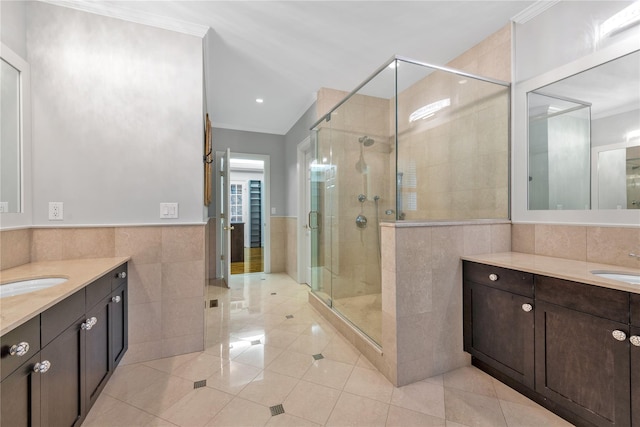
(581, 366)
(635, 378)
(62, 387)
(119, 322)
(498, 330)
(98, 366)
(20, 393)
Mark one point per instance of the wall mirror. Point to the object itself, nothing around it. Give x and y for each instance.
(10, 139)
(584, 139)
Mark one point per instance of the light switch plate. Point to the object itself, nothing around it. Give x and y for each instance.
(168, 210)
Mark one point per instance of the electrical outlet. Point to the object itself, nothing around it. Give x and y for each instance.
(56, 211)
(4, 207)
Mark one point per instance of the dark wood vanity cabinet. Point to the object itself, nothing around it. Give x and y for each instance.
(580, 344)
(82, 339)
(580, 363)
(635, 359)
(499, 319)
(20, 394)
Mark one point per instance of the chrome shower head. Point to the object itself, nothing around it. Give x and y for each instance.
(366, 141)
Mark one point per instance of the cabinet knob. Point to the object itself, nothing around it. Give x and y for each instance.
(619, 335)
(527, 307)
(42, 367)
(121, 275)
(493, 277)
(635, 340)
(116, 299)
(19, 349)
(89, 323)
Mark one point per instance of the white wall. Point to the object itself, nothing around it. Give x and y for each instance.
(117, 119)
(296, 135)
(563, 33)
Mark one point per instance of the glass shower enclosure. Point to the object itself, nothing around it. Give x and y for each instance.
(413, 143)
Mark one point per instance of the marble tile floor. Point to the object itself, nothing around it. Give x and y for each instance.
(265, 346)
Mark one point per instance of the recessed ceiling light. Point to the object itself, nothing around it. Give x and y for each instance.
(259, 100)
(463, 81)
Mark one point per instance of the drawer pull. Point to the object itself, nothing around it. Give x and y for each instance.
(121, 275)
(527, 307)
(619, 335)
(42, 367)
(19, 349)
(89, 323)
(116, 299)
(493, 277)
(635, 340)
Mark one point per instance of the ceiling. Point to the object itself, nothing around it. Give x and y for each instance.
(284, 51)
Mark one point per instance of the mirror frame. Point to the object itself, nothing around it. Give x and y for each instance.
(23, 218)
(520, 148)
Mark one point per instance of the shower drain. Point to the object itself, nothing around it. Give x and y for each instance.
(277, 410)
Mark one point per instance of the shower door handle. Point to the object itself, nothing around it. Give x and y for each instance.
(309, 220)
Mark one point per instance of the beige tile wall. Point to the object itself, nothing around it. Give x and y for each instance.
(210, 245)
(166, 277)
(15, 248)
(606, 245)
(278, 244)
(291, 239)
(422, 294)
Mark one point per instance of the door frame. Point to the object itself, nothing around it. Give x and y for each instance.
(304, 254)
(266, 205)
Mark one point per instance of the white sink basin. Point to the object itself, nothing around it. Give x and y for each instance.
(25, 286)
(631, 278)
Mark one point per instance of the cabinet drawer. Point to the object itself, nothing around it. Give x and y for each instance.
(602, 302)
(635, 310)
(97, 290)
(56, 319)
(26, 333)
(118, 276)
(518, 282)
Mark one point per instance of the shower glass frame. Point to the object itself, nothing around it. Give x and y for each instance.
(413, 111)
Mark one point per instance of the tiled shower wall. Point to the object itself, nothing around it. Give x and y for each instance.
(606, 245)
(166, 277)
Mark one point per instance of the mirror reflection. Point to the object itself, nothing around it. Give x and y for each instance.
(584, 139)
(10, 138)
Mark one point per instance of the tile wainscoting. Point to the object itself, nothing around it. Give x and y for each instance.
(166, 277)
(606, 245)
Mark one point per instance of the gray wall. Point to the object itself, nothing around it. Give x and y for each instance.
(256, 143)
(296, 135)
(13, 31)
(117, 118)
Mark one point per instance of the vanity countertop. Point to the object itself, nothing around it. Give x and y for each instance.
(577, 271)
(17, 309)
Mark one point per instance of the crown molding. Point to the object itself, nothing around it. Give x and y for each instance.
(534, 10)
(138, 17)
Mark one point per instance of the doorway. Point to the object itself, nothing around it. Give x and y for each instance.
(246, 215)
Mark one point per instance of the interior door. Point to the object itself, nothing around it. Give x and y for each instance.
(223, 207)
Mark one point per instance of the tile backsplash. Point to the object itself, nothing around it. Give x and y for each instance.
(606, 245)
